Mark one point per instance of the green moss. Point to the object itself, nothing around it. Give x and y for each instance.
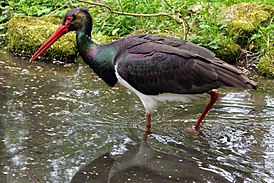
(266, 65)
(26, 35)
(228, 50)
(246, 18)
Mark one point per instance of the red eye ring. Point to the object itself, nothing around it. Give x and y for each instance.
(69, 19)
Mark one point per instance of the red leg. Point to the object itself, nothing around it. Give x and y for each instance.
(214, 96)
(148, 123)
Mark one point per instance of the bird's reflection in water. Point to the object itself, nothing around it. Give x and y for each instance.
(143, 164)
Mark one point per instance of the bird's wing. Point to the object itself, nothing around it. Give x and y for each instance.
(155, 65)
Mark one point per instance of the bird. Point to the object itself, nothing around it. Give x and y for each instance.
(157, 69)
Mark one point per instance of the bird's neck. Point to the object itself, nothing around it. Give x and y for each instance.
(84, 42)
(98, 57)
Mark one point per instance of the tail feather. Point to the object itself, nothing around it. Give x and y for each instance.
(232, 77)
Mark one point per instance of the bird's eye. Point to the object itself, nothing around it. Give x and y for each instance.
(69, 18)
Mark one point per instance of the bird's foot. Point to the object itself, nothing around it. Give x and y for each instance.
(146, 135)
(193, 132)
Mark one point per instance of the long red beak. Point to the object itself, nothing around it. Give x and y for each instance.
(61, 30)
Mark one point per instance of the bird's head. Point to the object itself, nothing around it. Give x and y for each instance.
(74, 20)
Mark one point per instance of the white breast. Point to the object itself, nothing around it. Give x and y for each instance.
(151, 102)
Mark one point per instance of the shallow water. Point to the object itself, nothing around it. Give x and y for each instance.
(65, 125)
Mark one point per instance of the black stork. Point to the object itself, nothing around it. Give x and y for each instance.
(155, 68)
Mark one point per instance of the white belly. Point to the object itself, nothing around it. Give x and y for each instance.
(151, 102)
